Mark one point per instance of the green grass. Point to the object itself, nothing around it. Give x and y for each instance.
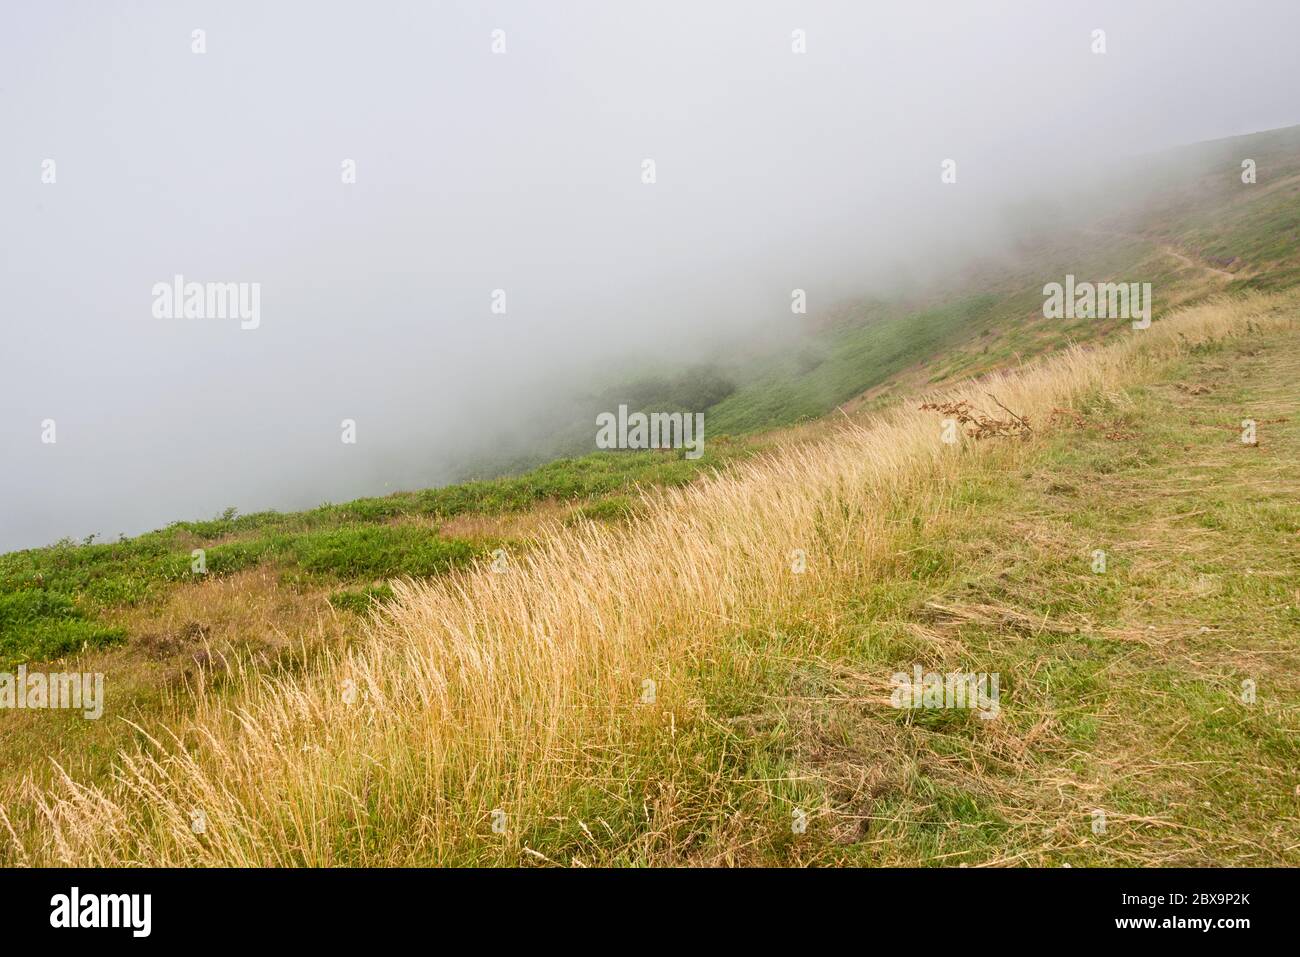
(845, 363)
(1205, 209)
(380, 551)
(40, 625)
(615, 508)
(361, 601)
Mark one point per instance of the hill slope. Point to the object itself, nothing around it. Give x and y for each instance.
(768, 608)
(521, 689)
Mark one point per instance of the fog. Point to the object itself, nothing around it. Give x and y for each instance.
(519, 171)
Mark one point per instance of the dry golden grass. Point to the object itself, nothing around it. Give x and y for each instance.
(191, 630)
(521, 690)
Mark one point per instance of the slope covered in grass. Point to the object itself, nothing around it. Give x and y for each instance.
(1197, 232)
(684, 687)
(767, 716)
(56, 600)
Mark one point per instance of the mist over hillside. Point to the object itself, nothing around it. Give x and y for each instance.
(768, 434)
(383, 174)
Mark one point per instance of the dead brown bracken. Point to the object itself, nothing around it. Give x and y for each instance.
(978, 425)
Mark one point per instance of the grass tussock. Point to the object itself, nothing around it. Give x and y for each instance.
(560, 705)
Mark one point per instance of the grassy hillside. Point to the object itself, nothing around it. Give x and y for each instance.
(524, 614)
(520, 696)
(1204, 208)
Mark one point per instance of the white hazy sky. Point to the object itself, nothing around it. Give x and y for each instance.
(519, 171)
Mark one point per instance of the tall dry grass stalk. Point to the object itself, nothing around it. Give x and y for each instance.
(521, 690)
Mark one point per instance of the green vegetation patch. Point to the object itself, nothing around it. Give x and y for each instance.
(42, 625)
